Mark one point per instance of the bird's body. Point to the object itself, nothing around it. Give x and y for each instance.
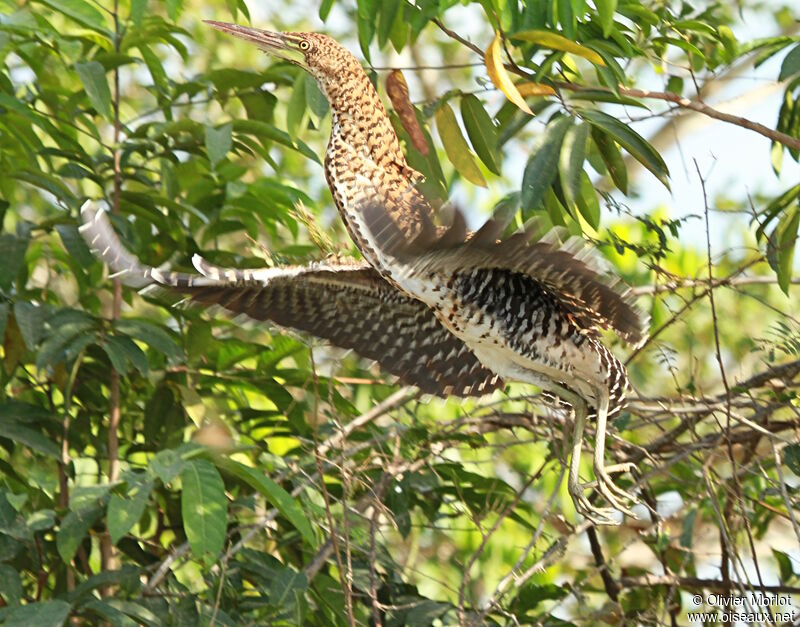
(471, 309)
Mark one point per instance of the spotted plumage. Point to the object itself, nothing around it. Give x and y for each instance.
(475, 308)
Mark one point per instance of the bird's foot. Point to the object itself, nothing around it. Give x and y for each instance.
(611, 491)
(597, 515)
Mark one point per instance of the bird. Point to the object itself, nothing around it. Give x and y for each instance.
(462, 312)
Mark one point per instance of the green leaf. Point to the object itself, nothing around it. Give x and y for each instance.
(325, 9)
(10, 585)
(204, 507)
(456, 146)
(570, 162)
(287, 590)
(629, 139)
(532, 594)
(316, 101)
(137, 11)
(791, 457)
(296, 107)
(125, 510)
(167, 465)
(791, 64)
(93, 77)
(155, 67)
(75, 245)
(566, 17)
(388, 13)
(111, 609)
(152, 335)
(587, 202)
(784, 566)
(781, 245)
(30, 319)
(687, 529)
(43, 614)
(605, 9)
(74, 527)
(174, 9)
(612, 157)
(481, 131)
(12, 256)
(542, 167)
(365, 18)
(30, 438)
(121, 350)
(4, 309)
(82, 12)
(275, 494)
(218, 142)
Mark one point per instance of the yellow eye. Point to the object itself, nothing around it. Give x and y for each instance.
(304, 45)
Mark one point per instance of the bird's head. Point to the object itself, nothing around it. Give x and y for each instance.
(324, 58)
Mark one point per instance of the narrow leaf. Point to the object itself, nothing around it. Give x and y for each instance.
(481, 131)
(12, 256)
(570, 163)
(781, 245)
(456, 146)
(204, 507)
(137, 11)
(82, 12)
(296, 111)
(629, 139)
(499, 76)
(535, 89)
(587, 202)
(275, 494)
(93, 77)
(397, 90)
(612, 157)
(605, 9)
(325, 9)
(542, 167)
(174, 9)
(554, 41)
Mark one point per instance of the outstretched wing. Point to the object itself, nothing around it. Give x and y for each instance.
(346, 303)
(571, 271)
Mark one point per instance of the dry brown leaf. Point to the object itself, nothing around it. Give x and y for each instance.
(397, 90)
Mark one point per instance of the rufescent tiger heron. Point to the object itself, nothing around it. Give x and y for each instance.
(452, 312)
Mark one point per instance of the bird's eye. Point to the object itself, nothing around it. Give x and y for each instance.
(304, 45)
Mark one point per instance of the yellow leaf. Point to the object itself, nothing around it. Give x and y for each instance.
(535, 89)
(499, 76)
(554, 41)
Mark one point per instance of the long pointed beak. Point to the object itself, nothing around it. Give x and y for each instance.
(267, 40)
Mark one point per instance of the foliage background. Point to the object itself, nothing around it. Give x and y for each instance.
(161, 465)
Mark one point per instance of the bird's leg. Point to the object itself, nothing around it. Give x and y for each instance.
(600, 516)
(605, 484)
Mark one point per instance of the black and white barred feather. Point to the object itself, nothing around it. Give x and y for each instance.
(343, 301)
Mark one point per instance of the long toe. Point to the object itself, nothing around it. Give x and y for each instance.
(604, 489)
(603, 477)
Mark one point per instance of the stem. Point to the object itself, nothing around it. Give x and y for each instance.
(109, 558)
